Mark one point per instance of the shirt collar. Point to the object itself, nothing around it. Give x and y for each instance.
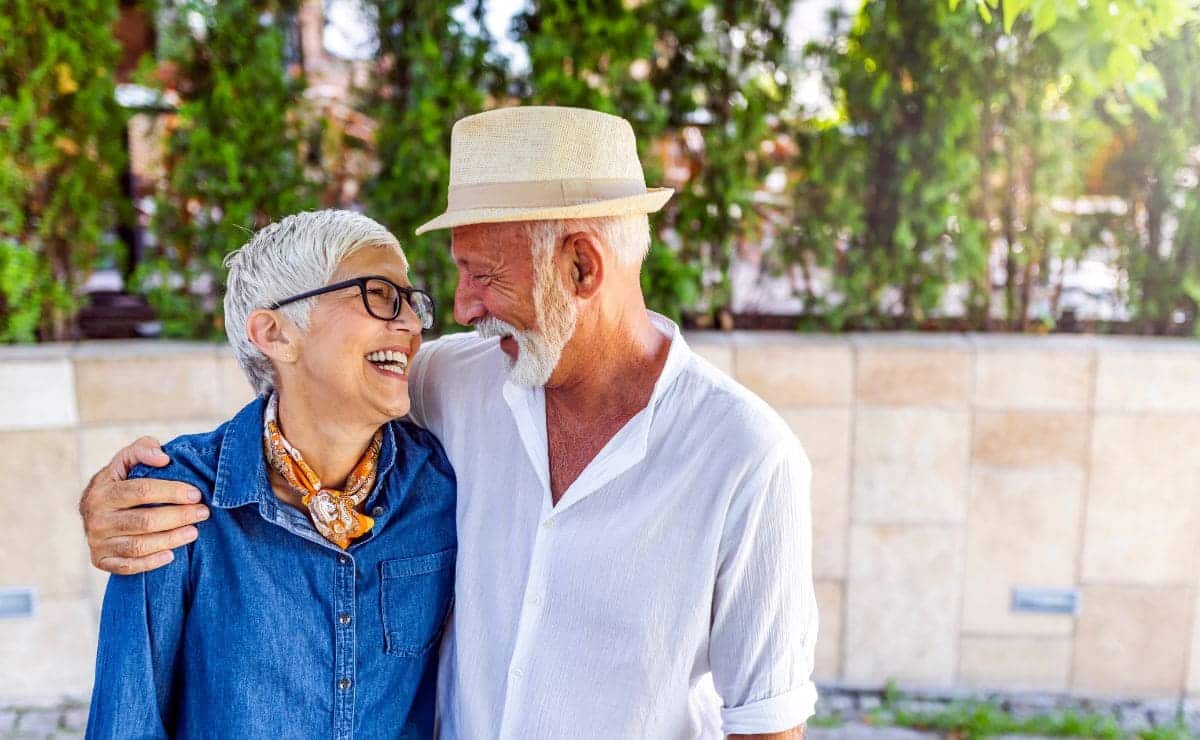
(677, 357)
(628, 446)
(242, 467)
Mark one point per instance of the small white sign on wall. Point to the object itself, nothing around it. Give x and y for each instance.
(1046, 600)
(18, 602)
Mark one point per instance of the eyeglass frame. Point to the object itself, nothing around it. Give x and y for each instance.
(361, 284)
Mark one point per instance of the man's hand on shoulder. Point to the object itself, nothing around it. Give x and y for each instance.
(124, 538)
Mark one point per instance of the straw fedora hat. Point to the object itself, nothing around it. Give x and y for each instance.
(541, 163)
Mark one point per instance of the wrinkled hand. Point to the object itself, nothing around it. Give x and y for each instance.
(125, 539)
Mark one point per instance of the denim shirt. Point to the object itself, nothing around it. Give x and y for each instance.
(261, 628)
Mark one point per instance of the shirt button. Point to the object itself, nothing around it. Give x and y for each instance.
(344, 684)
(344, 618)
(535, 600)
(517, 673)
(548, 524)
(377, 511)
(343, 560)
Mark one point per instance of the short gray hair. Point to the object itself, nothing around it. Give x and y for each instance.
(294, 255)
(627, 236)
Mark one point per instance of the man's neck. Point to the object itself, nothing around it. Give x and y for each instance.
(608, 378)
(613, 368)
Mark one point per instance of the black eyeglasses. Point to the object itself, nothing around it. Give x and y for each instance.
(382, 298)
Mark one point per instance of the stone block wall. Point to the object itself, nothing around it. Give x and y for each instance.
(948, 469)
(64, 411)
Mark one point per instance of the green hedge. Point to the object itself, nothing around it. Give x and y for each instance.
(954, 128)
(233, 154)
(61, 149)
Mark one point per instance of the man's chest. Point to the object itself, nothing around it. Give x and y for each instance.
(640, 521)
(596, 571)
(573, 444)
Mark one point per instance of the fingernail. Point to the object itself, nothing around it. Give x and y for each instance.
(193, 496)
(194, 533)
(202, 514)
(166, 557)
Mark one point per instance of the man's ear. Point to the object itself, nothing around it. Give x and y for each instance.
(274, 335)
(586, 261)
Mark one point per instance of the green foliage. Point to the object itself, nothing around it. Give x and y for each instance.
(1155, 167)
(705, 77)
(1177, 731)
(957, 128)
(233, 155)
(61, 136)
(976, 719)
(433, 72)
(826, 722)
(955, 133)
(982, 719)
(891, 692)
(1034, 147)
(885, 198)
(28, 291)
(670, 284)
(1104, 44)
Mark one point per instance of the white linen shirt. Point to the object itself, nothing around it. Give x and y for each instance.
(669, 592)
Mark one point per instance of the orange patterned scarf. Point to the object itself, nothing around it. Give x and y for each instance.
(332, 512)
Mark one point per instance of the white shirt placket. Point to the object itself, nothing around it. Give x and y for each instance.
(528, 637)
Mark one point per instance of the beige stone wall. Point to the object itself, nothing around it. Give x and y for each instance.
(64, 411)
(947, 471)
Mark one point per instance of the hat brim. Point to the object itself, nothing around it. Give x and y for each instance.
(649, 202)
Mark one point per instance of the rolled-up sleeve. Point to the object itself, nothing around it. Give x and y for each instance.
(764, 627)
(141, 627)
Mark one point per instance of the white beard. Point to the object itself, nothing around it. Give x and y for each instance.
(538, 352)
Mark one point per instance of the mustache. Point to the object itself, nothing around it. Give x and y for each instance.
(490, 326)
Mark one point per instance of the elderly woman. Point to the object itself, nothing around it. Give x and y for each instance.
(311, 603)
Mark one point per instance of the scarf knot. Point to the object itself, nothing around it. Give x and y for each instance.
(332, 512)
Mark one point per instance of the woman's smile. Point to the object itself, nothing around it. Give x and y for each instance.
(392, 362)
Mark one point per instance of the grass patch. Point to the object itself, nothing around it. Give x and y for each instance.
(830, 721)
(982, 719)
(1177, 731)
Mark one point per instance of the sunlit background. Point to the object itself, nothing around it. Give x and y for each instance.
(955, 243)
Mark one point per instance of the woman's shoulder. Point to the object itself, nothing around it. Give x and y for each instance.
(405, 427)
(193, 460)
(410, 436)
(195, 457)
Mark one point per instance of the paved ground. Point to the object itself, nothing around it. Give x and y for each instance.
(45, 725)
(68, 721)
(64, 722)
(63, 725)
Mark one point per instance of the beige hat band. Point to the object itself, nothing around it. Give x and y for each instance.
(541, 193)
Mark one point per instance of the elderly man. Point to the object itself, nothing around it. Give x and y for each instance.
(634, 527)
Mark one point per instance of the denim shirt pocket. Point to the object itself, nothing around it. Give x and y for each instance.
(415, 597)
